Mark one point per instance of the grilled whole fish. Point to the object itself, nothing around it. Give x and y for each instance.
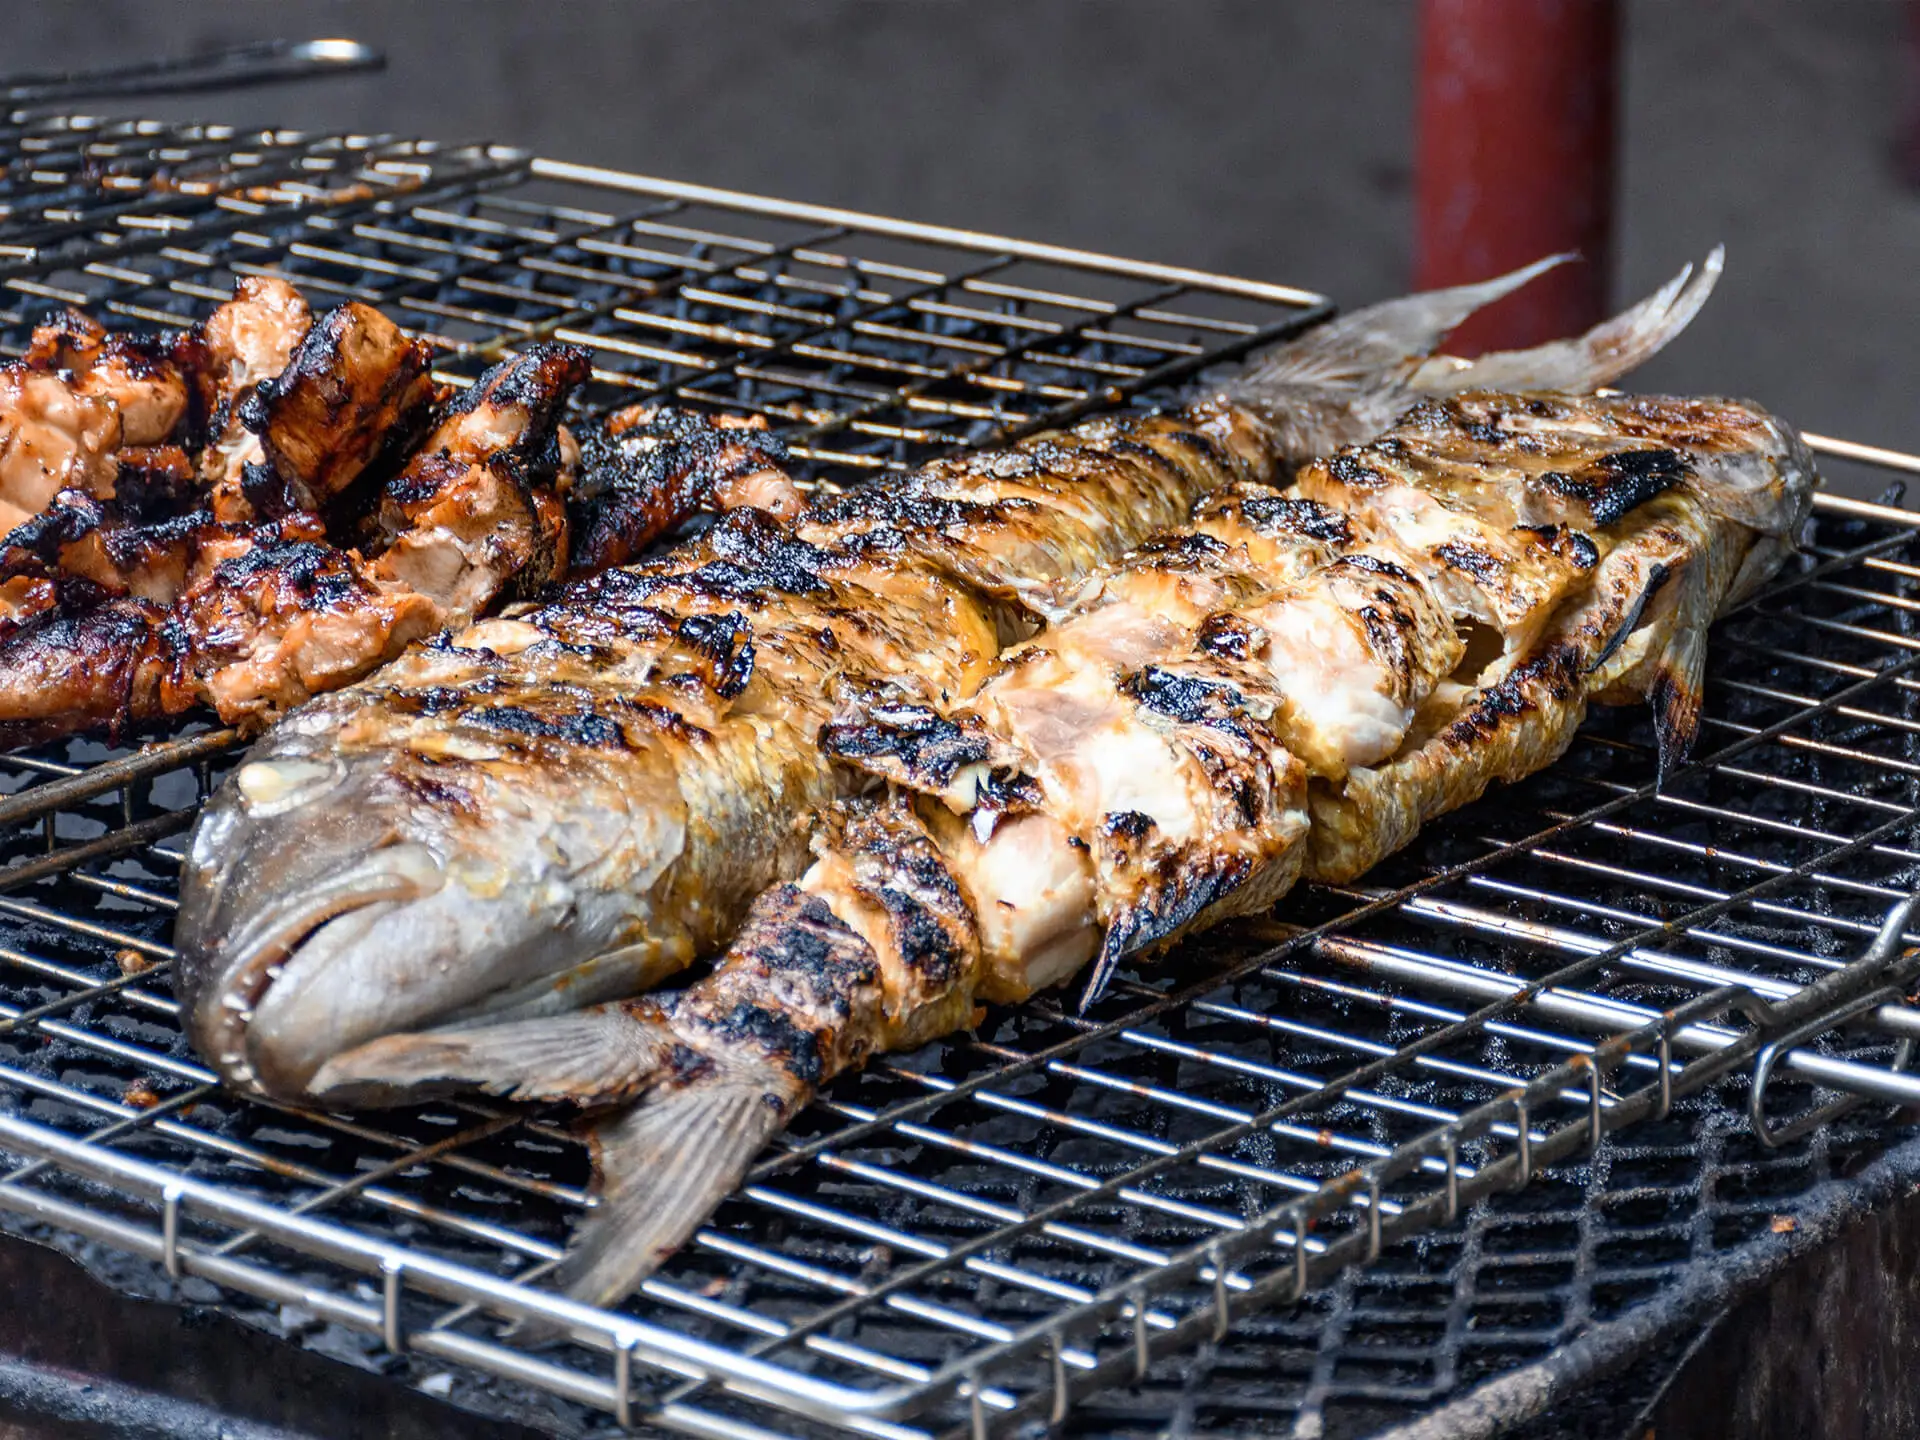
(569, 804)
(1294, 682)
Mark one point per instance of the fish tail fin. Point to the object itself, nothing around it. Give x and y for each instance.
(592, 1057)
(1585, 362)
(1345, 381)
(664, 1165)
(1370, 350)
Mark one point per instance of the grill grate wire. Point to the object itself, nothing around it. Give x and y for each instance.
(1370, 1093)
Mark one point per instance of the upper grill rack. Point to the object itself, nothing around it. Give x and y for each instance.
(995, 1226)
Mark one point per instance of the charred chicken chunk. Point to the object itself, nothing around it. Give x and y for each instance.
(74, 399)
(351, 387)
(649, 466)
(466, 521)
(243, 343)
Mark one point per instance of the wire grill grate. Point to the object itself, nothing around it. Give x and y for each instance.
(1560, 993)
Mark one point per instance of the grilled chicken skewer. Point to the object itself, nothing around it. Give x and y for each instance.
(252, 615)
(570, 804)
(281, 563)
(1291, 685)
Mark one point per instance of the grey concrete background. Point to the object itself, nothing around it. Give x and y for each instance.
(1266, 137)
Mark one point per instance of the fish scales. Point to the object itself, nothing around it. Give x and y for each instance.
(612, 774)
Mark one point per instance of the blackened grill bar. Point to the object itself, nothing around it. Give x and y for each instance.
(1054, 1216)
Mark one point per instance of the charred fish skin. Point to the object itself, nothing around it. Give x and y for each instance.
(1647, 516)
(914, 580)
(1178, 766)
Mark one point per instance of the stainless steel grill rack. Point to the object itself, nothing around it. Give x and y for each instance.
(1590, 992)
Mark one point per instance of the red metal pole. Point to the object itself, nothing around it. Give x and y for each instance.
(1515, 158)
(1906, 153)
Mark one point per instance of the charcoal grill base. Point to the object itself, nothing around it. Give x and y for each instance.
(1829, 1347)
(1811, 1329)
(80, 1359)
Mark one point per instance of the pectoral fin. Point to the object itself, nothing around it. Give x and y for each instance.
(1679, 676)
(593, 1057)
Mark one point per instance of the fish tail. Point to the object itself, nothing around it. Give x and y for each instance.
(1585, 362)
(664, 1164)
(1369, 353)
(598, 1056)
(1345, 381)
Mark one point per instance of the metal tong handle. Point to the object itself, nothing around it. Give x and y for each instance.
(259, 62)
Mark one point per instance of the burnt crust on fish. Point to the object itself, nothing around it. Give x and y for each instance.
(721, 660)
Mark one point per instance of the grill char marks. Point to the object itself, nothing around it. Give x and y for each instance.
(646, 469)
(475, 515)
(912, 744)
(897, 973)
(1290, 515)
(1619, 483)
(108, 657)
(827, 970)
(71, 403)
(930, 943)
(1634, 521)
(720, 660)
(1165, 749)
(726, 642)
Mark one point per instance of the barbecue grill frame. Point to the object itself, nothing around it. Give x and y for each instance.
(1757, 1025)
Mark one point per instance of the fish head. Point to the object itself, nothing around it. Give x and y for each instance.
(332, 896)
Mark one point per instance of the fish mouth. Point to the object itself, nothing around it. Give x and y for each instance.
(335, 894)
(256, 955)
(323, 906)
